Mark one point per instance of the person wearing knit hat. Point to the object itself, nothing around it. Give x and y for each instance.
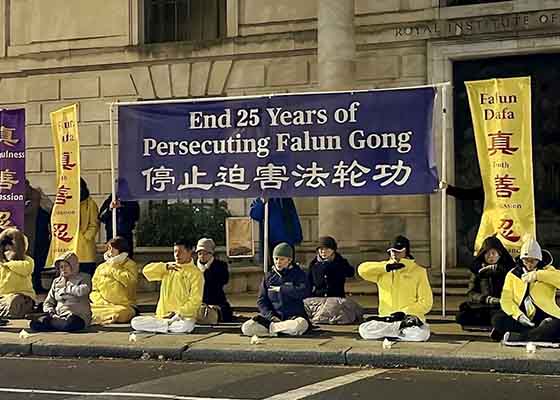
(215, 307)
(405, 296)
(327, 275)
(67, 304)
(529, 312)
(280, 299)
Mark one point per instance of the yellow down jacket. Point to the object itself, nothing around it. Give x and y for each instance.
(542, 291)
(89, 225)
(407, 290)
(181, 291)
(15, 277)
(115, 283)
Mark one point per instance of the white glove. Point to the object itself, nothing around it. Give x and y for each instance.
(524, 320)
(529, 277)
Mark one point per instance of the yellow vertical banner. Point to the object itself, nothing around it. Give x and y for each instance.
(501, 115)
(65, 218)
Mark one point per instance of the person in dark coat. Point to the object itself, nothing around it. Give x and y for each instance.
(327, 275)
(128, 214)
(489, 271)
(283, 222)
(216, 276)
(280, 299)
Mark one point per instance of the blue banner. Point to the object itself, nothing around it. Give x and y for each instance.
(328, 144)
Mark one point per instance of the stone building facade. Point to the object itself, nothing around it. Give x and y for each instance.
(55, 52)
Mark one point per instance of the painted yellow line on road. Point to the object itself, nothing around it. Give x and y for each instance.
(329, 384)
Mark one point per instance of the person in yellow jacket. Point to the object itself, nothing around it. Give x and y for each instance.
(180, 298)
(89, 226)
(528, 302)
(17, 296)
(114, 285)
(405, 296)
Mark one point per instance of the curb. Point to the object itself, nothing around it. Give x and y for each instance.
(529, 364)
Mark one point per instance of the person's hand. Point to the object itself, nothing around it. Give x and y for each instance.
(115, 204)
(394, 267)
(529, 277)
(172, 266)
(524, 320)
(488, 270)
(492, 300)
(443, 185)
(275, 319)
(171, 315)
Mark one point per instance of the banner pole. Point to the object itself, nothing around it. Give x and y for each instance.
(113, 183)
(443, 197)
(265, 237)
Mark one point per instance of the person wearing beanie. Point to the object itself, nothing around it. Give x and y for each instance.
(280, 299)
(405, 296)
(488, 274)
(17, 295)
(67, 305)
(327, 275)
(529, 311)
(215, 307)
(180, 298)
(113, 298)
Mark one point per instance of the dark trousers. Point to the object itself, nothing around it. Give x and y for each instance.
(54, 323)
(476, 316)
(547, 330)
(42, 244)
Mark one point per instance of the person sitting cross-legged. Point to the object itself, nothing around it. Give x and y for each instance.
(405, 296)
(16, 268)
(113, 297)
(280, 300)
(215, 307)
(489, 270)
(327, 275)
(182, 285)
(529, 308)
(67, 305)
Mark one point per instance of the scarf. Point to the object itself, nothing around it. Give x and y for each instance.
(204, 266)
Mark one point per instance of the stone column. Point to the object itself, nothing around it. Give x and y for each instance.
(338, 216)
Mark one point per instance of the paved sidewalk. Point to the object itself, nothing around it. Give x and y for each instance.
(448, 348)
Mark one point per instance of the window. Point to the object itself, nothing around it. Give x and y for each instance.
(184, 20)
(450, 3)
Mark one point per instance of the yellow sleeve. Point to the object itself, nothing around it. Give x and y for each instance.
(93, 222)
(126, 275)
(371, 271)
(21, 267)
(506, 300)
(192, 305)
(425, 299)
(155, 271)
(549, 275)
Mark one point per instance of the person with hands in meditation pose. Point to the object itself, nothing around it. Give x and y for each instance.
(529, 311)
(405, 296)
(280, 299)
(182, 286)
(67, 306)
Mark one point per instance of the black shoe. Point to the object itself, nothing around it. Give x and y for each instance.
(4, 322)
(262, 321)
(496, 335)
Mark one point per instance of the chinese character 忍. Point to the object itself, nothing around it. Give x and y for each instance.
(60, 231)
(506, 231)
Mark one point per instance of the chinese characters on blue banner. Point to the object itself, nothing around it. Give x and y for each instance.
(362, 143)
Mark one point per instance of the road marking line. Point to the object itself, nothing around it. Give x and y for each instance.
(329, 384)
(114, 394)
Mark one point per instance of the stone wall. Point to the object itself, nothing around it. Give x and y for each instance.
(87, 53)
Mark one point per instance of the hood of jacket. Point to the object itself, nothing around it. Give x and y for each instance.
(17, 240)
(492, 242)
